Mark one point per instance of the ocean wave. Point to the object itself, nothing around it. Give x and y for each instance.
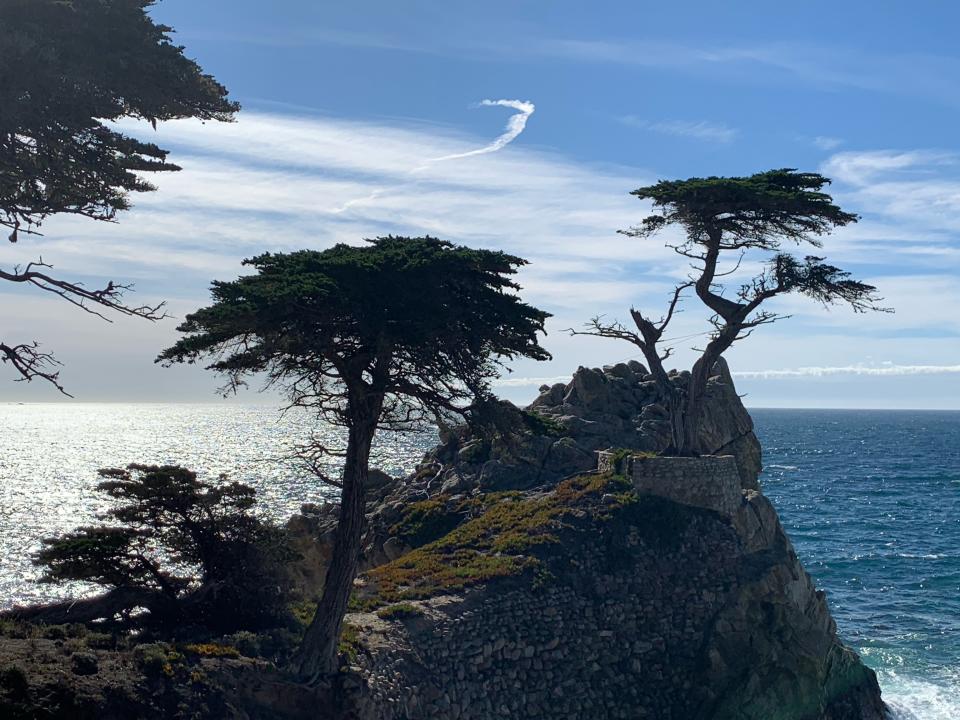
(911, 698)
(780, 467)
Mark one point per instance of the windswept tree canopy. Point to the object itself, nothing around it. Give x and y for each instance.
(758, 211)
(418, 321)
(388, 334)
(724, 220)
(67, 68)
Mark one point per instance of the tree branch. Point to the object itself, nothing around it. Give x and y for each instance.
(110, 297)
(31, 363)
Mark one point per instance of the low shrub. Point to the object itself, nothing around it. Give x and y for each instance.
(399, 611)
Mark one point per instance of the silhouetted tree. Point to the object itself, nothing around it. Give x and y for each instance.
(390, 334)
(722, 216)
(186, 550)
(69, 68)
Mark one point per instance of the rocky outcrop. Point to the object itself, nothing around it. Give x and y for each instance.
(556, 436)
(648, 609)
(664, 597)
(619, 406)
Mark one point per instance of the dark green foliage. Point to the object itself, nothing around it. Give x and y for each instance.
(763, 209)
(67, 68)
(14, 683)
(399, 611)
(424, 521)
(543, 424)
(195, 547)
(416, 319)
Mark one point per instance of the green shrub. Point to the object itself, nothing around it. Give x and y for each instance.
(350, 644)
(543, 424)
(14, 683)
(399, 612)
(158, 659)
(210, 650)
(246, 643)
(424, 521)
(500, 542)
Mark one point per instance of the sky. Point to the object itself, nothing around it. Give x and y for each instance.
(523, 126)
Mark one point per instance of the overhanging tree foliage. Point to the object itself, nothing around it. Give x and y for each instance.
(68, 68)
(386, 335)
(735, 216)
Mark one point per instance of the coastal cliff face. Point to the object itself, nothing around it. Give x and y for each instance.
(497, 589)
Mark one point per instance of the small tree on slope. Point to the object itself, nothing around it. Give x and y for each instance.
(735, 216)
(387, 335)
(187, 550)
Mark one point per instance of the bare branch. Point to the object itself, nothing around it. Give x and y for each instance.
(110, 297)
(31, 363)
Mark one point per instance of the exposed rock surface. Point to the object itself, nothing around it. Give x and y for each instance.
(664, 609)
(562, 430)
(660, 610)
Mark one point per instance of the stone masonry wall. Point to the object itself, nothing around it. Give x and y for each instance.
(710, 482)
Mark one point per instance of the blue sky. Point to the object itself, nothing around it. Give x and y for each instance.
(352, 112)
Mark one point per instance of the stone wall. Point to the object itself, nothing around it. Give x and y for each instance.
(710, 482)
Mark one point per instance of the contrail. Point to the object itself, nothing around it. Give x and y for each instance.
(515, 125)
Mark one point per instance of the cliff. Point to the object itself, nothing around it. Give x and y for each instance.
(657, 588)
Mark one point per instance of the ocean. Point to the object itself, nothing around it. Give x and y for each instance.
(871, 500)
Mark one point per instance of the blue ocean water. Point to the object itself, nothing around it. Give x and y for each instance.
(871, 500)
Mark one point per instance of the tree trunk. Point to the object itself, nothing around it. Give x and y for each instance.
(100, 607)
(676, 406)
(317, 655)
(694, 402)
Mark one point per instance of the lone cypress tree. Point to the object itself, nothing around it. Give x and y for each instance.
(68, 70)
(392, 334)
(735, 216)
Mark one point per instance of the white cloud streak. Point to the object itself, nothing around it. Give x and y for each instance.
(859, 370)
(825, 142)
(803, 372)
(519, 382)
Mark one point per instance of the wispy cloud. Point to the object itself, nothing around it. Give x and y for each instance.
(803, 372)
(861, 168)
(274, 182)
(825, 142)
(861, 370)
(699, 129)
